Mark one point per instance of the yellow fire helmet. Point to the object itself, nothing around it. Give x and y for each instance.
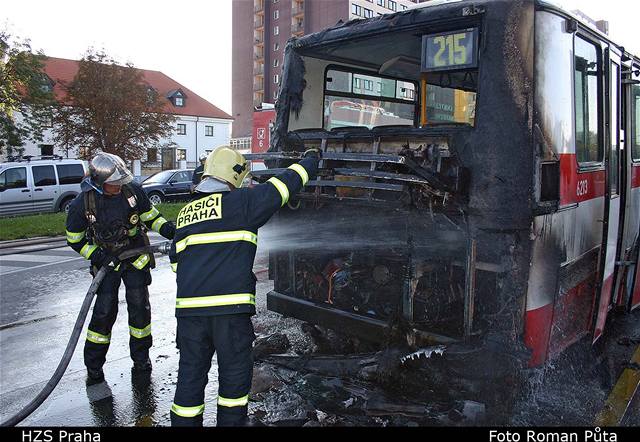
(226, 164)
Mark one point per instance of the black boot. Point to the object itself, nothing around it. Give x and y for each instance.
(94, 375)
(142, 365)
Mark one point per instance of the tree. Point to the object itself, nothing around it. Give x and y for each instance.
(108, 107)
(24, 89)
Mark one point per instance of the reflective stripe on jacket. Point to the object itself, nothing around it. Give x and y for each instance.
(216, 240)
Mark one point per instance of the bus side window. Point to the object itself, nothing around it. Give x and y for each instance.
(635, 122)
(614, 92)
(586, 76)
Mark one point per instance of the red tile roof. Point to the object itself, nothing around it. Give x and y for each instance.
(61, 69)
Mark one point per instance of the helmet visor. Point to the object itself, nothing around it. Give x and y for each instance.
(120, 176)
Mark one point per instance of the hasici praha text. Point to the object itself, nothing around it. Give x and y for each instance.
(203, 209)
(596, 434)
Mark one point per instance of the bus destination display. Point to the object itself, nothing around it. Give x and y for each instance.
(450, 50)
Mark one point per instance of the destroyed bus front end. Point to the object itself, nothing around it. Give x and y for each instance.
(416, 230)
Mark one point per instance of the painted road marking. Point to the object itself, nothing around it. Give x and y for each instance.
(16, 262)
(40, 259)
(7, 269)
(622, 394)
(43, 265)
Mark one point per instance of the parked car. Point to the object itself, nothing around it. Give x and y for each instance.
(140, 178)
(168, 186)
(39, 185)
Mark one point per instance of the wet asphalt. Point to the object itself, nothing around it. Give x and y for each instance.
(41, 293)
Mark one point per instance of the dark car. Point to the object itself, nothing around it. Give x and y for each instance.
(168, 186)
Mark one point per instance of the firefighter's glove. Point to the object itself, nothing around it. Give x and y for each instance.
(314, 152)
(100, 259)
(168, 230)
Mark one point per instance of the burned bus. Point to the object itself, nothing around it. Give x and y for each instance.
(479, 182)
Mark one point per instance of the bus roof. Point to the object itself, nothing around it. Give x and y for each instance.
(421, 13)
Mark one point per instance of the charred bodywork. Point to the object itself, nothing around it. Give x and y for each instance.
(417, 227)
(443, 227)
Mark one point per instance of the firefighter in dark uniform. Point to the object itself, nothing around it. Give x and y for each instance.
(108, 217)
(197, 173)
(213, 253)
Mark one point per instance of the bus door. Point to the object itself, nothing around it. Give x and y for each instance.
(613, 207)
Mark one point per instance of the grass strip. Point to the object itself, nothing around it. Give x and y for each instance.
(53, 224)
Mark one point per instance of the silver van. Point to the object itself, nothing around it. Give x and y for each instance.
(43, 185)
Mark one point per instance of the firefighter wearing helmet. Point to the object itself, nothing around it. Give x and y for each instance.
(111, 215)
(197, 172)
(213, 253)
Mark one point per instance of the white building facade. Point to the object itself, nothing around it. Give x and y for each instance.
(194, 136)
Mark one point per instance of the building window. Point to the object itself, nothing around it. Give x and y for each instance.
(179, 101)
(181, 154)
(380, 2)
(276, 30)
(362, 84)
(392, 5)
(47, 121)
(83, 152)
(275, 95)
(587, 74)
(276, 46)
(368, 13)
(46, 86)
(276, 79)
(356, 10)
(182, 129)
(152, 155)
(276, 14)
(46, 149)
(208, 131)
(276, 62)
(240, 143)
(404, 8)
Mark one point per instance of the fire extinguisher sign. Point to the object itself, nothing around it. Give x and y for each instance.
(261, 123)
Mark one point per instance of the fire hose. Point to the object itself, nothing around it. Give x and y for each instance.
(75, 335)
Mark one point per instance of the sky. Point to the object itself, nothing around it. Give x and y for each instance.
(190, 40)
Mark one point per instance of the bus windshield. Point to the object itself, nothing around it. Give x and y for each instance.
(355, 99)
(410, 80)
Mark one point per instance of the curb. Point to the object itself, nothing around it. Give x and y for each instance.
(622, 394)
(31, 241)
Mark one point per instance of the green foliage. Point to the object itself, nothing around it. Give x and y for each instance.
(24, 89)
(110, 108)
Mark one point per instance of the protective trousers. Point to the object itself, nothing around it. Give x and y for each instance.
(105, 312)
(198, 338)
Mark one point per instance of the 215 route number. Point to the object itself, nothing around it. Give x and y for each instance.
(456, 53)
(450, 50)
